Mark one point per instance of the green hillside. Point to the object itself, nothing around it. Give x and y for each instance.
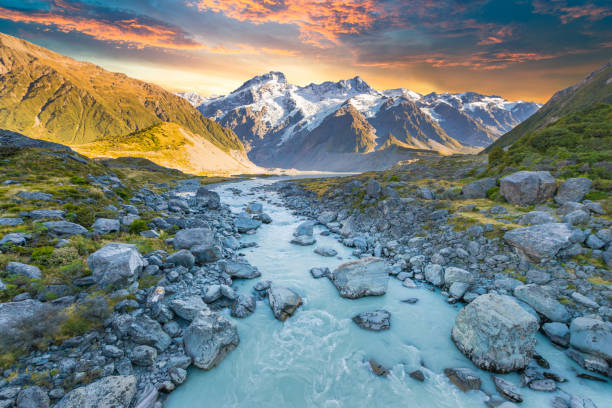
(595, 88)
(49, 96)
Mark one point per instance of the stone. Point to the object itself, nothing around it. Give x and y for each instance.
(187, 307)
(417, 375)
(527, 187)
(207, 253)
(177, 375)
(453, 274)
(464, 378)
(594, 242)
(376, 321)
(327, 216)
(207, 198)
(64, 229)
(263, 217)
(283, 302)
(495, 333)
(35, 195)
(213, 293)
(18, 268)
(15, 238)
(129, 219)
(245, 223)
(303, 240)
(584, 300)
(182, 257)
(592, 336)
(366, 277)
(576, 217)
(209, 339)
(243, 306)
(144, 356)
(50, 214)
(557, 332)
(254, 208)
(536, 218)
(305, 228)
(434, 274)
(378, 368)
(373, 188)
(116, 264)
(458, 289)
(544, 385)
(507, 389)
(33, 397)
(111, 351)
(178, 205)
(103, 226)
(113, 391)
(318, 273)
(146, 331)
(14, 315)
(478, 188)
(10, 221)
(190, 237)
(573, 189)
(543, 303)
(542, 242)
(241, 270)
(325, 251)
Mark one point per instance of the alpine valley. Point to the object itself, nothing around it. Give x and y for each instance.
(349, 126)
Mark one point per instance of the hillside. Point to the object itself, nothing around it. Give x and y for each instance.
(595, 88)
(48, 96)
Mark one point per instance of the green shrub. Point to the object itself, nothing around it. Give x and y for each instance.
(138, 226)
(495, 155)
(42, 255)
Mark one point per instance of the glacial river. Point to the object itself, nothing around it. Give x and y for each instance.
(319, 357)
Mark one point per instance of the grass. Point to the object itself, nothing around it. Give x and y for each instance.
(598, 280)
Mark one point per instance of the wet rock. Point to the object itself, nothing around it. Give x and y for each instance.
(33, 397)
(254, 208)
(305, 228)
(478, 188)
(325, 251)
(540, 242)
(557, 332)
(283, 302)
(112, 391)
(507, 389)
(495, 333)
(527, 187)
(592, 336)
(144, 356)
(417, 375)
(545, 385)
(190, 237)
(458, 289)
(18, 268)
(366, 277)
(103, 226)
(241, 270)
(187, 307)
(263, 217)
(64, 229)
(245, 223)
(318, 273)
(243, 306)
(573, 189)
(464, 378)
(378, 369)
(376, 321)
(116, 264)
(589, 362)
(303, 240)
(539, 299)
(209, 339)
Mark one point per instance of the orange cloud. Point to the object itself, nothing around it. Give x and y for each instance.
(319, 21)
(589, 11)
(123, 31)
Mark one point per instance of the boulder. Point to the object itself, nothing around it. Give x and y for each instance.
(325, 251)
(434, 274)
(327, 216)
(536, 218)
(18, 268)
(495, 333)
(303, 240)
(15, 238)
(373, 188)
(241, 270)
(318, 273)
(207, 198)
(178, 205)
(33, 397)
(366, 277)
(376, 321)
(243, 306)
(209, 339)
(187, 307)
(207, 253)
(464, 378)
(114, 391)
(576, 217)
(64, 229)
(182, 257)
(144, 356)
(254, 208)
(528, 187)
(190, 237)
(540, 242)
(453, 274)
(573, 190)
(478, 188)
(14, 315)
(283, 302)
(144, 330)
(103, 226)
(244, 223)
(10, 221)
(305, 228)
(557, 332)
(592, 336)
(507, 389)
(40, 214)
(542, 302)
(116, 264)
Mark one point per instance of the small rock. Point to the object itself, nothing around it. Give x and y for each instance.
(376, 321)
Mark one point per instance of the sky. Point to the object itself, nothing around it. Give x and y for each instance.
(518, 49)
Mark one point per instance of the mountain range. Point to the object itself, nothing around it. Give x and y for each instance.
(349, 126)
(45, 95)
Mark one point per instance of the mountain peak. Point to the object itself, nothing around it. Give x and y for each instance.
(272, 76)
(356, 83)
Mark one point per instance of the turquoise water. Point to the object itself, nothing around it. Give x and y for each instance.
(319, 357)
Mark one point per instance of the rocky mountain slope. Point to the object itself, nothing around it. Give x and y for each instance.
(276, 120)
(595, 88)
(48, 96)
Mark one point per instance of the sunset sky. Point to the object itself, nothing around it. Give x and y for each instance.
(524, 49)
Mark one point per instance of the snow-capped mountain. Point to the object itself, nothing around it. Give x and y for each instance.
(284, 125)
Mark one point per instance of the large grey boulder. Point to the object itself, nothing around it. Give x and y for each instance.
(103, 226)
(114, 391)
(557, 332)
(536, 218)
(245, 223)
(592, 336)
(190, 237)
(40, 214)
(478, 188)
(283, 302)
(116, 264)
(207, 198)
(182, 257)
(241, 270)
(243, 306)
(376, 321)
(434, 274)
(144, 330)
(373, 188)
(207, 253)
(573, 189)
(305, 228)
(540, 242)
(366, 277)
(18, 268)
(303, 240)
(10, 221)
(188, 307)
(33, 397)
(209, 339)
(144, 356)
(64, 229)
(14, 315)
(496, 333)
(453, 274)
(543, 303)
(15, 238)
(528, 187)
